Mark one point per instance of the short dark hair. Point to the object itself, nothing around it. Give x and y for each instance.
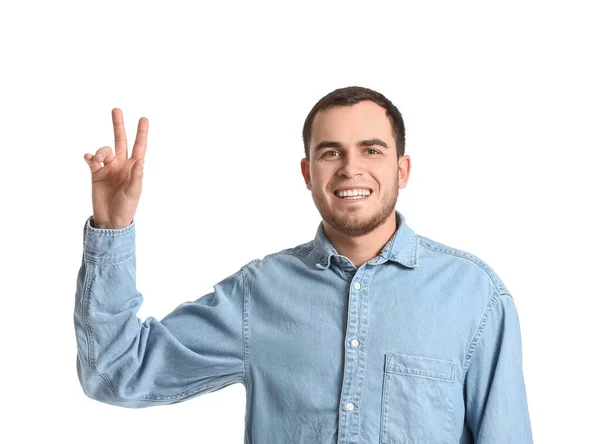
(351, 95)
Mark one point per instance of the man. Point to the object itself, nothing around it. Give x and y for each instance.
(368, 333)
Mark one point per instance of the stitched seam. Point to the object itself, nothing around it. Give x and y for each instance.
(419, 375)
(85, 315)
(478, 333)
(90, 337)
(414, 258)
(109, 261)
(188, 392)
(107, 232)
(384, 414)
(93, 232)
(449, 422)
(505, 293)
(415, 249)
(464, 255)
(422, 358)
(246, 330)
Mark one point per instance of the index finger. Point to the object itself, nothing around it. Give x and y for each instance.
(141, 139)
(120, 137)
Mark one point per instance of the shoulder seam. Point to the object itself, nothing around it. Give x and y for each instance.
(482, 323)
(499, 287)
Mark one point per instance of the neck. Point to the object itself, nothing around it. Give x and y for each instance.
(360, 249)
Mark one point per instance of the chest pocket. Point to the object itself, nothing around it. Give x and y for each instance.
(416, 406)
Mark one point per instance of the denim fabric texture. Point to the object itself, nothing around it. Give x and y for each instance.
(421, 344)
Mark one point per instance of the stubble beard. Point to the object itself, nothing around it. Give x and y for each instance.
(358, 226)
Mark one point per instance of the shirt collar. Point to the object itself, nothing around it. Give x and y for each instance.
(401, 248)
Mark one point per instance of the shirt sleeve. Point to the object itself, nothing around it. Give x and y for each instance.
(496, 401)
(196, 349)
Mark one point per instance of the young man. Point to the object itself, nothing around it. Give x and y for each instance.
(368, 333)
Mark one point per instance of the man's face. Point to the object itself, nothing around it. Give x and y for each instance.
(354, 178)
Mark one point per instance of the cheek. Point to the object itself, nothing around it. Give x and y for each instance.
(320, 180)
(387, 175)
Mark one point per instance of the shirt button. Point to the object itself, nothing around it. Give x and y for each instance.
(354, 343)
(357, 285)
(350, 406)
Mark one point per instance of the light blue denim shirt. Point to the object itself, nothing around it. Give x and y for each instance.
(421, 344)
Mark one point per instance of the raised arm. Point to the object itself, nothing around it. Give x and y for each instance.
(198, 348)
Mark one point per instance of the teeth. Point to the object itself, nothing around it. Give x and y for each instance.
(353, 193)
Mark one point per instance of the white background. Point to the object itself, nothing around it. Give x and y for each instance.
(501, 105)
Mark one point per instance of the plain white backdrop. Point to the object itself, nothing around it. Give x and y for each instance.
(501, 106)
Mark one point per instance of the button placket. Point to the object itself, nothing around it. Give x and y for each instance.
(358, 314)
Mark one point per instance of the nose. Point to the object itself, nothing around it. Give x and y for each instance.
(351, 166)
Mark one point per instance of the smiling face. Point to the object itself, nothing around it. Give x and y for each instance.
(354, 172)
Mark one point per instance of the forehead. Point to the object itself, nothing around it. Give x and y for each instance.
(350, 124)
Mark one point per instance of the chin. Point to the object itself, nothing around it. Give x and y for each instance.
(356, 220)
(355, 224)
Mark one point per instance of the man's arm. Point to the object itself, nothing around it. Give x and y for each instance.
(496, 401)
(196, 349)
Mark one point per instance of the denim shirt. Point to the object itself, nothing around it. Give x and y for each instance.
(421, 344)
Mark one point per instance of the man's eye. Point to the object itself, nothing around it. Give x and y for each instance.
(372, 151)
(330, 153)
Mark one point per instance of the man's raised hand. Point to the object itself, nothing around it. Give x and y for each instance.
(117, 186)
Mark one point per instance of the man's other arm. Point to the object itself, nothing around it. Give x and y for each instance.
(495, 397)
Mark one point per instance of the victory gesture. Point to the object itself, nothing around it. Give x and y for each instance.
(117, 186)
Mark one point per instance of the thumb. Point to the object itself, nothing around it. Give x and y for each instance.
(134, 186)
(138, 166)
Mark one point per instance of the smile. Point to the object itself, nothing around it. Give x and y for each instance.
(353, 194)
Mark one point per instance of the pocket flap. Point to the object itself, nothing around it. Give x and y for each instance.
(419, 366)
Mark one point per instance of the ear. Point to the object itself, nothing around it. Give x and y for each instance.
(403, 171)
(305, 167)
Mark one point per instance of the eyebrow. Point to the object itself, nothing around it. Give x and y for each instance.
(367, 142)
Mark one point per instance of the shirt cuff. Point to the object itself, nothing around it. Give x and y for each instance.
(108, 245)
